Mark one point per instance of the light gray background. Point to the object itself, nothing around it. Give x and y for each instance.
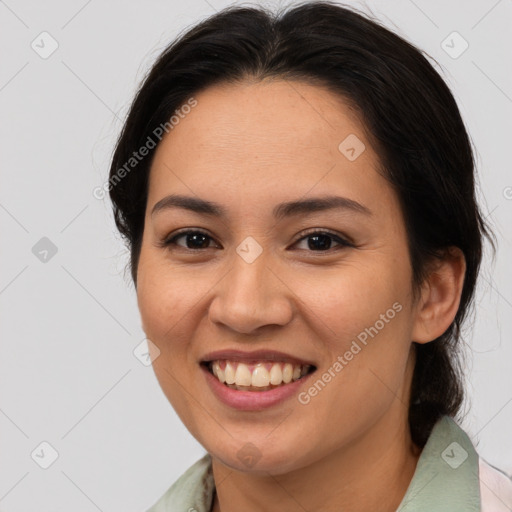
(69, 326)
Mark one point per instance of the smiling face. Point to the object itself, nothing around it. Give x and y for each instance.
(308, 282)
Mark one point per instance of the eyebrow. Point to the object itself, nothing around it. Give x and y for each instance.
(280, 211)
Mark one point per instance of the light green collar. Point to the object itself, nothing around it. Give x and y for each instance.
(445, 480)
(192, 492)
(446, 477)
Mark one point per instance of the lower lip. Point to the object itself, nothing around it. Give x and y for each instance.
(252, 400)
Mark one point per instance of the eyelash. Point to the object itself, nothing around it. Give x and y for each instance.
(171, 241)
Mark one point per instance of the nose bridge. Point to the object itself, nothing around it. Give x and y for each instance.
(250, 295)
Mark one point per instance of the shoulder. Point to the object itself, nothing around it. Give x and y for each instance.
(193, 490)
(495, 488)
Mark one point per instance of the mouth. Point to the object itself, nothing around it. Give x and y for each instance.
(256, 375)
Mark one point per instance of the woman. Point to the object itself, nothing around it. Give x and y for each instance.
(297, 193)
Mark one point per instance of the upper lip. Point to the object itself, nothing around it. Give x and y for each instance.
(256, 355)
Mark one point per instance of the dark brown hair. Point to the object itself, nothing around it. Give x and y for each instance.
(412, 121)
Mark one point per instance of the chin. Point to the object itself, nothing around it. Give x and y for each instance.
(260, 458)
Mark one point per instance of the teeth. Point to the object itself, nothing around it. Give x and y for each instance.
(229, 372)
(260, 376)
(287, 373)
(276, 374)
(217, 370)
(264, 375)
(243, 375)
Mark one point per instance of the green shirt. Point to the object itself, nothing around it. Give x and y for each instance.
(448, 478)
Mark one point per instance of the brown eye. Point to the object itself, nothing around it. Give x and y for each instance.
(321, 241)
(194, 240)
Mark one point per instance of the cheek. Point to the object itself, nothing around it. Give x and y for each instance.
(352, 297)
(161, 304)
(164, 294)
(362, 314)
(166, 310)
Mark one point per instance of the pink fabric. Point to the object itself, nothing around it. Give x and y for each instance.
(495, 488)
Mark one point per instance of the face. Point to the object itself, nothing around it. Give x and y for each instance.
(326, 286)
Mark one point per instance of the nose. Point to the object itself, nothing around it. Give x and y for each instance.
(251, 296)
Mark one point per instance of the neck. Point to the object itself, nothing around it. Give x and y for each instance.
(372, 474)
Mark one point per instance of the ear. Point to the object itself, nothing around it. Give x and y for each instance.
(440, 296)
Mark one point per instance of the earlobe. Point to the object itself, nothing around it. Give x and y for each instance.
(440, 296)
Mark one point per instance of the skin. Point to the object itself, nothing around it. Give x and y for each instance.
(249, 147)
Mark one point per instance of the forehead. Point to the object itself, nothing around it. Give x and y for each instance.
(272, 116)
(257, 140)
